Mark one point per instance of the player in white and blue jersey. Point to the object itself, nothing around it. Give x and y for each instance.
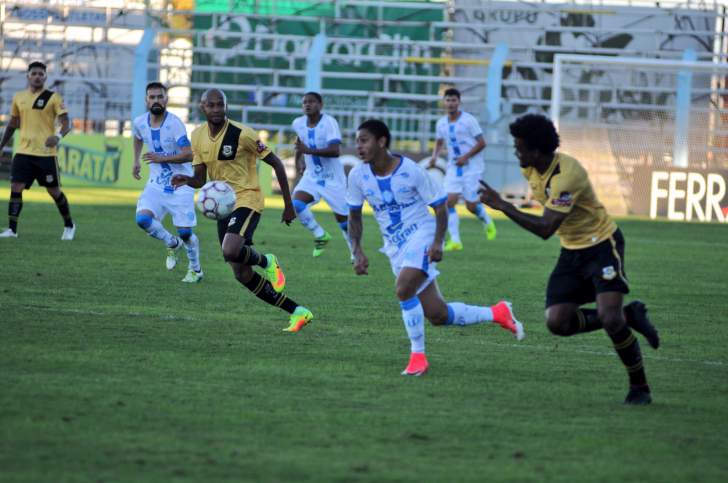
(318, 146)
(169, 153)
(462, 135)
(400, 192)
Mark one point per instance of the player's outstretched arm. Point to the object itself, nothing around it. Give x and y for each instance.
(356, 229)
(9, 131)
(543, 226)
(195, 181)
(289, 214)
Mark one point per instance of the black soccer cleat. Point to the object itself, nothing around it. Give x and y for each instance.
(638, 396)
(636, 315)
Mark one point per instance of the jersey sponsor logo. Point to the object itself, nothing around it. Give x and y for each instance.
(608, 273)
(565, 199)
(260, 147)
(232, 221)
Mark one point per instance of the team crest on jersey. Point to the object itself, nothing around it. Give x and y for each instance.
(608, 273)
(565, 199)
(227, 150)
(40, 103)
(232, 221)
(260, 147)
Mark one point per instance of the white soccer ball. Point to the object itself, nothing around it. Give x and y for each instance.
(216, 200)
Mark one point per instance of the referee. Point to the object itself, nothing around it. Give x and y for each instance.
(34, 111)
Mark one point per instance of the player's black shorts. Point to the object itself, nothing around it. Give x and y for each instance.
(27, 168)
(579, 275)
(242, 221)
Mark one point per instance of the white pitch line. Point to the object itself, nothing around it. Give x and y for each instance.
(541, 348)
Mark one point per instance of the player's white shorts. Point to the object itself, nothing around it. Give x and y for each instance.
(179, 204)
(414, 255)
(333, 191)
(467, 184)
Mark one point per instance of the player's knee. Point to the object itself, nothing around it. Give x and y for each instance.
(185, 234)
(472, 207)
(299, 206)
(558, 326)
(230, 253)
(611, 320)
(143, 220)
(243, 273)
(404, 292)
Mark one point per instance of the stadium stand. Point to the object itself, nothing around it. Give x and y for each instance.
(389, 60)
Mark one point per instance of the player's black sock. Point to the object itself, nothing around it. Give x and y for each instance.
(586, 320)
(14, 207)
(64, 210)
(628, 349)
(249, 256)
(262, 289)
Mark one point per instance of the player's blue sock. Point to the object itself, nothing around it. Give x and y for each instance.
(482, 213)
(414, 323)
(192, 244)
(453, 225)
(307, 218)
(155, 229)
(459, 313)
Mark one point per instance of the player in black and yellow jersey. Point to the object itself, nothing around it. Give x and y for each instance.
(591, 263)
(227, 151)
(35, 111)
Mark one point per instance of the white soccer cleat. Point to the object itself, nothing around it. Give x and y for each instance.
(193, 277)
(172, 256)
(8, 234)
(69, 232)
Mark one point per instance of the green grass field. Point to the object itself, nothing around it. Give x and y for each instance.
(112, 370)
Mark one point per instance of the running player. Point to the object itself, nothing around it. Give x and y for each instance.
(228, 151)
(35, 111)
(168, 153)
(591, 264)
(461, 133)
(318, 145)
(400, 192)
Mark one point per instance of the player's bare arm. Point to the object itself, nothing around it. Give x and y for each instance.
(543, 226)
(435, 250)
(300, 162)
(332, 151)
(53, 141)
(137, 167)
(356, 229)
(289, 214)
(479, 146)
(9, 131)
(195, 181)
(435, 153)
(185, 156)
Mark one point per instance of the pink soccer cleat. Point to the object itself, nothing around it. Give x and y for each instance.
(503, 316)
(417, 365)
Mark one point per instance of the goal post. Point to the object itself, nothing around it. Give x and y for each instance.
(626, 118)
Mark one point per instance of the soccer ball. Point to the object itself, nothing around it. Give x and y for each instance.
(216, 200)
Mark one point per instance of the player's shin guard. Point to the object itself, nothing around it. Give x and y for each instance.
(414, 323)
(628, 349)
(453, 225)
(262, 289)
(459, 313)
(14, 208)
(192, 244)
(155, 229)
(482, 213)
(64, 209)
(307, 218)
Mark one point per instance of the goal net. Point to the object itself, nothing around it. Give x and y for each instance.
(626, 119)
